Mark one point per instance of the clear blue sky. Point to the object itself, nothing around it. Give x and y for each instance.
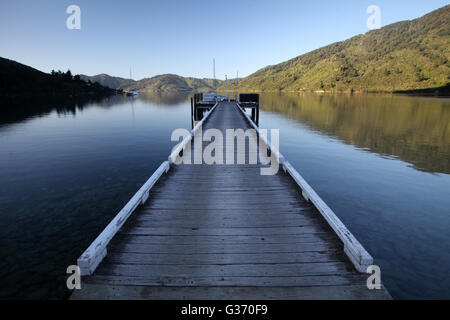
(182, 37)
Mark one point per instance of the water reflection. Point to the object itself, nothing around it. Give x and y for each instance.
(165, 98)
(415, 130)
(65, 177)
(67, 167)
(19, 109)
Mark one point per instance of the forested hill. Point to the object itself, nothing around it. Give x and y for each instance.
(108, 81)
(17, 79)
(173, 82)
(407, 55)
(160, 83)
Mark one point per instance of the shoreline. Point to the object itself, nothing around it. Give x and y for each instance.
(443, 91)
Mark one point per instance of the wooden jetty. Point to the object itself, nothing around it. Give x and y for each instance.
(198, 231)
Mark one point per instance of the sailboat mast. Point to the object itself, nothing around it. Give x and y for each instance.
(131, 81)
(226, 86)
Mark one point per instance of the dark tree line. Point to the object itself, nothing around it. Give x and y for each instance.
(66, 75)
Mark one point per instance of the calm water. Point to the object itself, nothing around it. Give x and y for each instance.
(381, 163)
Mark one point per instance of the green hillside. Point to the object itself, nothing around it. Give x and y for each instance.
(173, 82)
(160, 83)
(109, 81)
(407, 55)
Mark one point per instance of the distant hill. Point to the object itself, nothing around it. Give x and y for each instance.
(160, 83)
(109, 81)
(407, 55)
(17, 79)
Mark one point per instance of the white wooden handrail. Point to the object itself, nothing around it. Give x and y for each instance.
(94, 254)
(357, 254)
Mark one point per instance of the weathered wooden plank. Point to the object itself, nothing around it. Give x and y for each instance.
(139, 292)
(230, 194)
(262, 240)
(203, 248)
(242, 270)
(203, 221)
(324, 280)
(245, 258)
(251, 202)
(190, 218)
(149, 210)
(251, 214)
(222, 231)
(210, 206)
(229, 224)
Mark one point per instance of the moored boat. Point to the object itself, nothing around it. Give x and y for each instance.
(132, 93)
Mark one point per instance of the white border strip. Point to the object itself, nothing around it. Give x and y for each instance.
(360, 258)
(94, 254)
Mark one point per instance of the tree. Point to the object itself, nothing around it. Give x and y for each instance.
(68, 75)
